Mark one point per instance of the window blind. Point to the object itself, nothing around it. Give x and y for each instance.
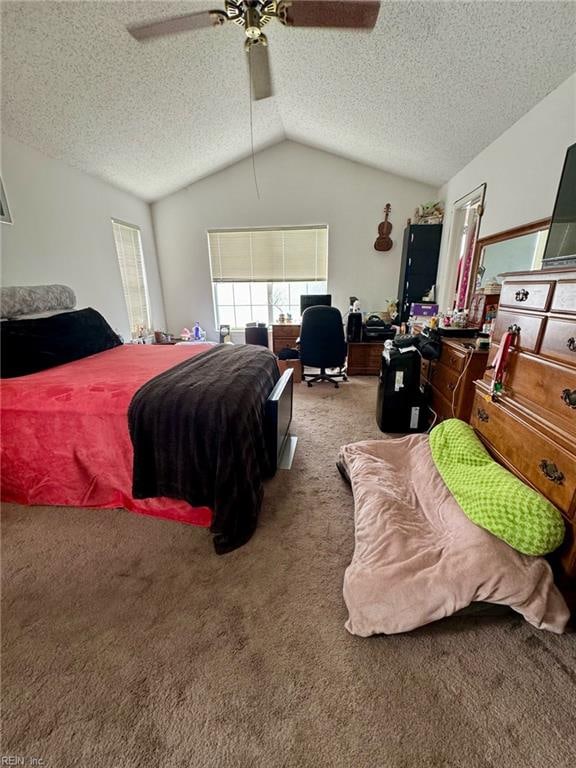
(131, 261)
(269, 255)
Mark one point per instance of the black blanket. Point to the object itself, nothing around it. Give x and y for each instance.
(198, 435)
(36, 344)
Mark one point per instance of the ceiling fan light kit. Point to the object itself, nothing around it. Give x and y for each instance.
(252, 15)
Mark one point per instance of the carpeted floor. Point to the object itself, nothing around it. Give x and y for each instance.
(127, 642)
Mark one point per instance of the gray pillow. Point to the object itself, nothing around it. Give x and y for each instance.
(23, 300)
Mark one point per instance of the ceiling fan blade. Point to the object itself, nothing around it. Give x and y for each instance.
(351, 14)
(259, 69)
(178, 24)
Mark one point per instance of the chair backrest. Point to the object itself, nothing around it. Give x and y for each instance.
(322, 342)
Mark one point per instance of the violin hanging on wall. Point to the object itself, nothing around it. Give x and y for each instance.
(383, 241)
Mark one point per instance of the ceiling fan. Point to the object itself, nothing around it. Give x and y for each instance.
(253, 15)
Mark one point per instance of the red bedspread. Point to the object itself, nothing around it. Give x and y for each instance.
(65, 434)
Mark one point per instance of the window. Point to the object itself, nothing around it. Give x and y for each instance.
(131, 262)
(259, 274)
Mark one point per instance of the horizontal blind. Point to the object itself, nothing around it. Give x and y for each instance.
(131, 262)
(269, 255)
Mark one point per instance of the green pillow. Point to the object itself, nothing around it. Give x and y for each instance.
(491, 496)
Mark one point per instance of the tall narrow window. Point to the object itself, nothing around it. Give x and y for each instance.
(131, 262)
(259, 274)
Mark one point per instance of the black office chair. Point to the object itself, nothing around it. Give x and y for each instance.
(322, 344)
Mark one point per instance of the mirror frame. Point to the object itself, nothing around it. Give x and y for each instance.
(507, 234)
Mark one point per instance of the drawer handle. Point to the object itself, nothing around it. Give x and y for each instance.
(569, 397)
(521, 295)
(482, 415)
(451, 386)
(571, 344)
(453, 360)
(551, 472)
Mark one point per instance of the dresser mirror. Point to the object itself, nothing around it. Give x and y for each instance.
(514, 250)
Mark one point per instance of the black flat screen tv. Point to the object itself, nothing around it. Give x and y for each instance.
(560, 248)
(278, 416)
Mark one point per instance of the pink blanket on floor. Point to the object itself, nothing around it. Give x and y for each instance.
(65, 437)
(418, 558)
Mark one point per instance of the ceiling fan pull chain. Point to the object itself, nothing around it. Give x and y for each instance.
(249, 53)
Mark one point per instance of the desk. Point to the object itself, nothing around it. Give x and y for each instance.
(284, 335)
(364, 358)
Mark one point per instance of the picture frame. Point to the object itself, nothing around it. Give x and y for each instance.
(5, 216)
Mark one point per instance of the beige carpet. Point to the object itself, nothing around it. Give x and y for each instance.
(127, 642)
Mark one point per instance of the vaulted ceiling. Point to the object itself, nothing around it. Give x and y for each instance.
(423, 93)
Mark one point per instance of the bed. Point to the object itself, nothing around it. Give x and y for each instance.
(66, 438)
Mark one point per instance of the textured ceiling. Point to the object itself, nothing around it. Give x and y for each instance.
(422, 94)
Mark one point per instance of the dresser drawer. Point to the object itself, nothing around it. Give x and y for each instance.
(531, 327)
(545, 465)
(284, 336)
(559, 340)
(425, 371)
(452, 358)
(527, 295)
(445, 381)
(286, 331)
(441, 407)
(546, 388)
(564, 299)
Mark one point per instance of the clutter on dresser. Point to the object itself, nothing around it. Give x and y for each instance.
(483, 308)
(163, 337)
(422, 314)
(195, 336)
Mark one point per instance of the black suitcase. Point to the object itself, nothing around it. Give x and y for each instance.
(401, 405)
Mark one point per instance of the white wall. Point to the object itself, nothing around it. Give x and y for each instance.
(62, 233)
(522, 170)
(298, 186)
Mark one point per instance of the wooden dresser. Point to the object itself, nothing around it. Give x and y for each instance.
(452, 377)
(284, 335)
(531, 427)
